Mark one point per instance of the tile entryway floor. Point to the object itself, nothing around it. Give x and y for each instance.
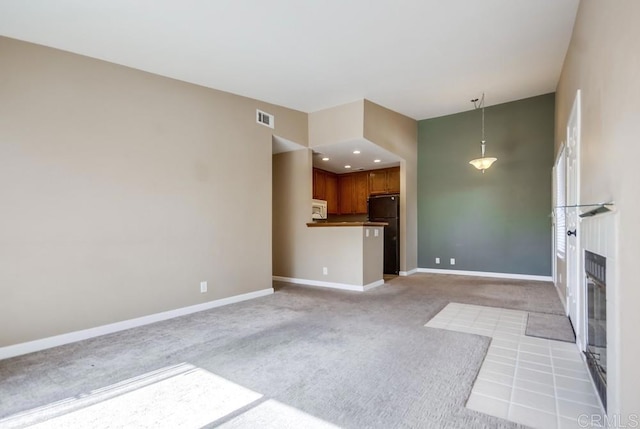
(534, 381)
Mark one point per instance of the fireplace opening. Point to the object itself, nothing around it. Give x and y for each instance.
(596, 353)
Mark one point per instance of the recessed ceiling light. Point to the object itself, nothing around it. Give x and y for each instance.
(376, 160)
(325, 159)
(356, 151)
(347, 166)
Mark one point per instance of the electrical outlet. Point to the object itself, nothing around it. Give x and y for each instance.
(437, 260)
(375, 232)
(366, 232)
(453, 261)
(325, 271)
(203, 287)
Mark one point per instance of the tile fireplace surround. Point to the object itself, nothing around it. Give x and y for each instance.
(537, 382)
(599, 236)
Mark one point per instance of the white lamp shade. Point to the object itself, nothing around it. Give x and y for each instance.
(482, 163)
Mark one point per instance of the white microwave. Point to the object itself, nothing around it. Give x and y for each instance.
(318, 209)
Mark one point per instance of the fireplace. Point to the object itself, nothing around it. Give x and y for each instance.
(596, 353)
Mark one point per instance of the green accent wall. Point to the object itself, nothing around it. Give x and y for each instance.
(497, 221)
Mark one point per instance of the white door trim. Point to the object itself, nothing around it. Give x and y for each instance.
(559, 230)
(576, 295)
(555, 203)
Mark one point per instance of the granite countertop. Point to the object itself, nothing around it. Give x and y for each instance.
(325, 223)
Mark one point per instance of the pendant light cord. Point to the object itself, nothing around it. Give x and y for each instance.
(479, 104)
(483, 140)
(483, 118)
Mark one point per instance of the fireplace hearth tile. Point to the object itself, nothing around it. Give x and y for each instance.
(533, 381)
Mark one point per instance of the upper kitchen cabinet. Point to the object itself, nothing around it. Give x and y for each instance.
(393, 180)
(319, 184)
(348, 193)
(325, 187)
(378, 182)
(353, 192)
(331, 193)
(361, 192)
(345, 190)
(384, 181)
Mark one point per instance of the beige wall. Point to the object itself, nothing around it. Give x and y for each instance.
(351, 257)
(373, 255)
(337, 124)
(399, 134)
(340, 250)
(292, 192)
(122, 190)
(603, 61)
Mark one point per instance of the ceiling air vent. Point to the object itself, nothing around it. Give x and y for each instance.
(265, 118)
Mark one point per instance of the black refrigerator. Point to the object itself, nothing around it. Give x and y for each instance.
(386, 208)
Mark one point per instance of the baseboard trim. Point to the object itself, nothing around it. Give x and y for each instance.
(563, 300)
(487, 274)
(373, 284)
(332, 285)
(408, 273)
(72, 337)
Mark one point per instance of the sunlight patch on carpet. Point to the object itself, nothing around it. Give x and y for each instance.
(274, 414)
(178, 396)
(183, 396)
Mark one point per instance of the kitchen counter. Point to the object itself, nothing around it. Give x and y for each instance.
(323, 223)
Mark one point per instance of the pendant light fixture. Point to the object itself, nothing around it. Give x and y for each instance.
(484, 162)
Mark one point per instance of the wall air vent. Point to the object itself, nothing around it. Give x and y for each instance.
(265, 118)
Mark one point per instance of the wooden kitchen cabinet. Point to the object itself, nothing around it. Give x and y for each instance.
(331, 193)
(353, 192)
(319, 184)
(348, 193)
(378, 182)
(345, 189)
(325, 187)
(384, 181)
(393, 180)
(360, 192)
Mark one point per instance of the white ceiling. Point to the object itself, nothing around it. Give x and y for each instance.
(422, 58)
(341, 154)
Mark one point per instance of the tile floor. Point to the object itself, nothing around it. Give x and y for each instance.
(533, 381)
